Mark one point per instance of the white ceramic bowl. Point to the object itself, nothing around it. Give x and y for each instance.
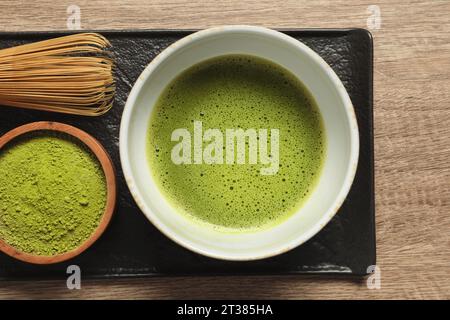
(339, 121)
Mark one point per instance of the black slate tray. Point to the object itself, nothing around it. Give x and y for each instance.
(131, 246)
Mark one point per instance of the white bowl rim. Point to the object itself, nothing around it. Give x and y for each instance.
(349, 111)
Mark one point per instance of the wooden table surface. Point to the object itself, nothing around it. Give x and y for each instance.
(412, 139)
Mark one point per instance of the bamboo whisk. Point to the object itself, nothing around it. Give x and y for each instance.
(71, 74)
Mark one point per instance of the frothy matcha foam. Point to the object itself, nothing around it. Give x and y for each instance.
(237, 92)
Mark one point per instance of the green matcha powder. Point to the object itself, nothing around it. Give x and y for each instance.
(52, 193)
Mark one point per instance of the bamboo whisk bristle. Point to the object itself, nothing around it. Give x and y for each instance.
(71, 74)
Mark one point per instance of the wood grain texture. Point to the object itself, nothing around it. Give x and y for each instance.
(412, 140)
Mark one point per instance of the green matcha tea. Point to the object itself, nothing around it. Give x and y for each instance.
(52, 193)
(236, 142)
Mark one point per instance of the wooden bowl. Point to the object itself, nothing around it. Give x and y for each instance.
(108, 169)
